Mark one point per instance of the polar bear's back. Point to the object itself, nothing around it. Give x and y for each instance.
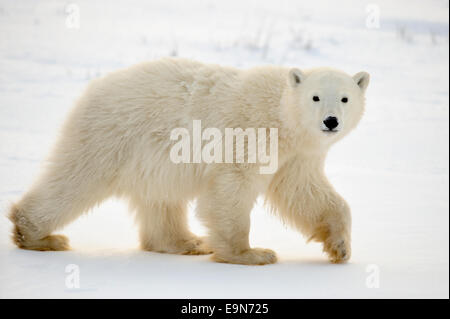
(170, 88)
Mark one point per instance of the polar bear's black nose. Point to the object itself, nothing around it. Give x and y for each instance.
(331, 122)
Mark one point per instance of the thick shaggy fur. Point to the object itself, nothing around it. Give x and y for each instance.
(116, 142)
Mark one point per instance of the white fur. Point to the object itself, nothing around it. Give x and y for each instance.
(116, 142)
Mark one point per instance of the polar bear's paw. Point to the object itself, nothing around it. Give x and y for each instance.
(190, 246)
(338, 251)
(25, 234)
(48, 243)
(255, 256)
(196, 246)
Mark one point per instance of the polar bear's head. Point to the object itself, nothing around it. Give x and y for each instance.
(326, 103)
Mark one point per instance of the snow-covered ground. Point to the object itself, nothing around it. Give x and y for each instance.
(393, 169)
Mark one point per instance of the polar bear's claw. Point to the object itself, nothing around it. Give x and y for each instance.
(338, 251)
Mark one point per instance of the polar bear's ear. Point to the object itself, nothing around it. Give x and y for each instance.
(295, 77)
(362, 79)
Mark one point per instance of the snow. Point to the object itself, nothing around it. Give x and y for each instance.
(393, 169)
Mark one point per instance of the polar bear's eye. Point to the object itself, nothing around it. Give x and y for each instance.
(316, 98)
(344, 100)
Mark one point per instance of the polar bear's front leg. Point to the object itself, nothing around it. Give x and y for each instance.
(225, 208)
(332, 227)
(323, 218)
(302, 196)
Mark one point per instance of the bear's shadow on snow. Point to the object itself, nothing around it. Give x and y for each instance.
(31, 258)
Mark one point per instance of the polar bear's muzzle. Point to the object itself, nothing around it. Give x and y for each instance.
(330, 124)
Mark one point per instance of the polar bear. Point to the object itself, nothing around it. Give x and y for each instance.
(115, 142)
